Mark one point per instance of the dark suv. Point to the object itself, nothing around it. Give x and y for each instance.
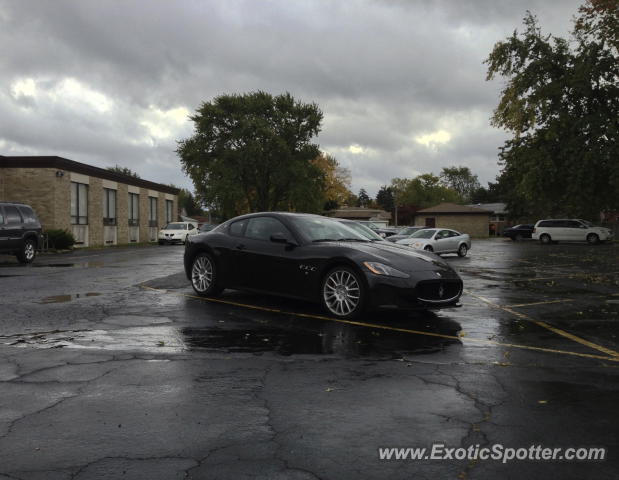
(20, 231)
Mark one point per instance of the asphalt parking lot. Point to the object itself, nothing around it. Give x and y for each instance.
(110, 367)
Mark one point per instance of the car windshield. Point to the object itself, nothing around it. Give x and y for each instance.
(321, 229)
(408, 230)
(363, 230)
(587, 223)
(423, 234)
(175, 226)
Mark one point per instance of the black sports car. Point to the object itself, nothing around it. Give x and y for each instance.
(318, 259)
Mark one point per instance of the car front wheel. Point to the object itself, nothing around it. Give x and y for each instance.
(343, 293)
(204, 275)
(545, 239)
(428, 248)
(28, 252)
(593, 239)
(463, 250)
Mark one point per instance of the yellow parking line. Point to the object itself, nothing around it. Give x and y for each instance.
(479, 341)
(548, 302)
(545, 325)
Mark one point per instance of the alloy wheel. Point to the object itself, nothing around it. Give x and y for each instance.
(341, 292)
(29, 251)
(202, 273)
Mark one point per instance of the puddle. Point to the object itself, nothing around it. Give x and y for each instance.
(69, 265)
(67, 298)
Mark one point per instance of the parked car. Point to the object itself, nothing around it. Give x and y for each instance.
(439, 241)
(382, 231)
(177, 232)
(20, 231)
(404, 233)
(518, 232)
(570, 230)
(318, 259)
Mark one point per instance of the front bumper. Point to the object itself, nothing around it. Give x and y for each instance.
(423, 290)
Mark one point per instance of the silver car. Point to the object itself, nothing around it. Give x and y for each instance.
(439, 241)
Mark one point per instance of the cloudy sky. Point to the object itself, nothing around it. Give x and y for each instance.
(401, 83)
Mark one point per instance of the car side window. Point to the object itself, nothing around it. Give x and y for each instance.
(28, 215)
(453, 233)
(573, 224)
(191, 227)
(12, 215)
(261, 228)
(442, 234)
(236, 228)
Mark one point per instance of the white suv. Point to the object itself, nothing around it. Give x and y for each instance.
(570, 230)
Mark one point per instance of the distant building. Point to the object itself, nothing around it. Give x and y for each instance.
(100, 207)
(466, 219)
(498, 218)
(379, 217)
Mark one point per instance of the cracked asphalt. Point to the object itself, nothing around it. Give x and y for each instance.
(111, 368)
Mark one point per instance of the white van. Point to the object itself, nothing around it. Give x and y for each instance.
(569, 230)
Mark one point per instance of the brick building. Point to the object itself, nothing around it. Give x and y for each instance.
(465, 219)
(98, 206)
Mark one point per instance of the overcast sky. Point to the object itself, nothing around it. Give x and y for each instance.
(401, 83)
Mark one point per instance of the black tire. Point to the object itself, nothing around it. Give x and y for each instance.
(545, 239)
(593, 239)
(517, 238)
(338, 290)
(463, 250)
(28, 251)
(160, 242)
(204, 276)
(186, 238)
(428, 248)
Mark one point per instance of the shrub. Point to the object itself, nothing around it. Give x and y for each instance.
(60, 239)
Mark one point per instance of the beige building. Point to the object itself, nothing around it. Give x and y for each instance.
(465, 219)
(379, 217)
(98, 206)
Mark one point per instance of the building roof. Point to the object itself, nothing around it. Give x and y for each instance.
(496, 208)
(359, 213)
(61, 163)
(454, 208)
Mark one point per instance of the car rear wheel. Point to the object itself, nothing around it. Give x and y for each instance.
(204, 275)
(428, 248)
(343, 293)
(593, 239)
(545, 239)
(462, 250)
(28, 251)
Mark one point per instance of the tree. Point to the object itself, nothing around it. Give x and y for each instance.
(123, 171)
(460, 179)
(494, 193)
(363, 199)
(253, 152)
(423, 191)
(561, 104)
(190, 203)
(336, 181)
(384, 198)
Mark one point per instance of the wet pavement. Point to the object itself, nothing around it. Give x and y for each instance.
(110, 367)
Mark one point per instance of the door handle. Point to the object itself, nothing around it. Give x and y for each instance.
(240, 246)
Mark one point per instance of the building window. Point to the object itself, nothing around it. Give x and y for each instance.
(79, 203)
(109, 206)
(134, 209)
(168, 211)
(152, 211)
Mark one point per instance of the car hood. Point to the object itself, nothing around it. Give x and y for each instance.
(172, 231)
(398, 256)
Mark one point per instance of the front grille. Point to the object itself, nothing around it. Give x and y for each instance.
(438, 290)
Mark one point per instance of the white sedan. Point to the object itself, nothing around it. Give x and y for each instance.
(439, 240)
(177, 232)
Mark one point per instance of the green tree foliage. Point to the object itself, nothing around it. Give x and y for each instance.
(384, 198)
(253, 152)
(460, 179)
(494, 193)
(423, 191)
(363, 199)
(189, 202)
(123, 171)
(336, 184)
(561, 104)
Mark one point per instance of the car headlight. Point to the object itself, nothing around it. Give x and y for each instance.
(386, 270)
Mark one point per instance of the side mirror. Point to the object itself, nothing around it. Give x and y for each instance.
(281, 238)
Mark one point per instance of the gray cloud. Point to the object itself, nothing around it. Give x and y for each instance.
(385, 73)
